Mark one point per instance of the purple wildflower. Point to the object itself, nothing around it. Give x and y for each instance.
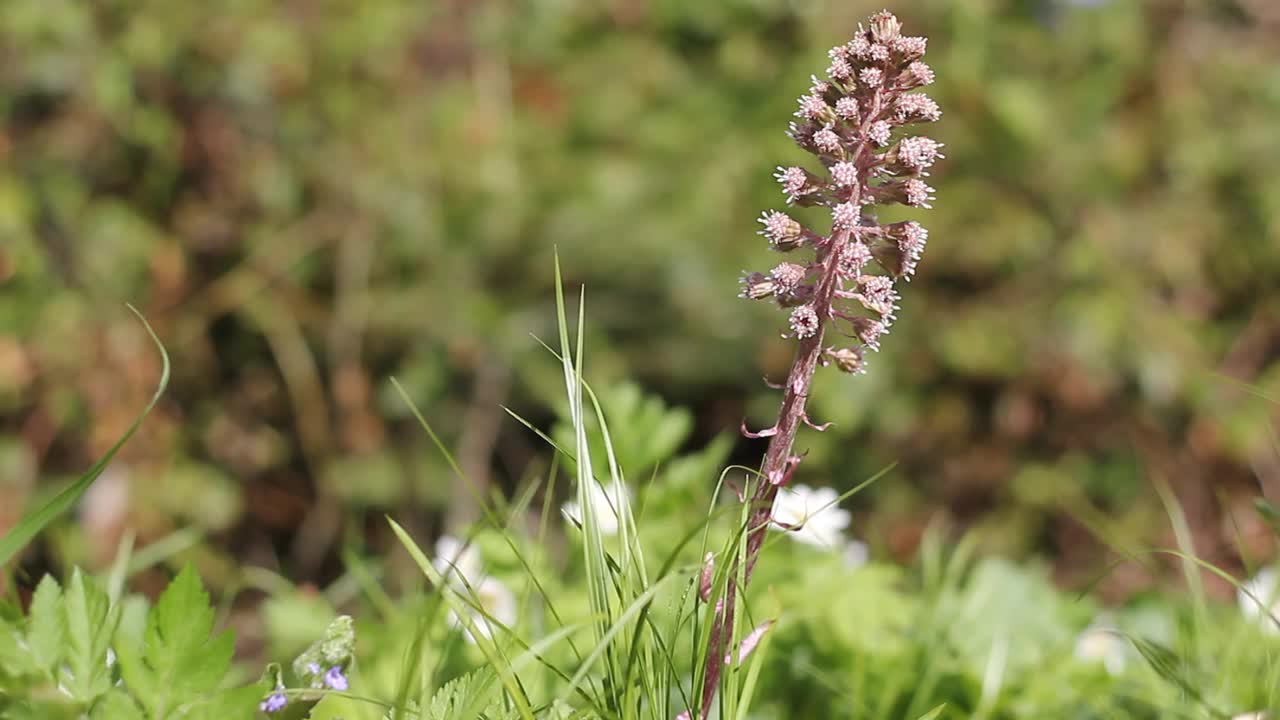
(871, 77)
(275, 702)
(335, 680)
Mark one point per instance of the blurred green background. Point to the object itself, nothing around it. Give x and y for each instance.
(309, 197)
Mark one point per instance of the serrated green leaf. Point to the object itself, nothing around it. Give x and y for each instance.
(47, 624)
(14, 663)
(178, 662)
(90, 623)
(236, 704)
(117, 705)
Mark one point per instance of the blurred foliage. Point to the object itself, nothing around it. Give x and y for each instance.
(307, 198)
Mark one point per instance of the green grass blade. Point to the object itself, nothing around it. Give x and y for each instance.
(31, 525)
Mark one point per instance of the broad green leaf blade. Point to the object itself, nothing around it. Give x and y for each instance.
(46, 624)
(32, 524)
(91, 622)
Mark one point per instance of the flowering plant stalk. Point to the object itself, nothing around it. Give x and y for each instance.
(848, 121)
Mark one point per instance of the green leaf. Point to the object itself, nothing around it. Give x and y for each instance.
(117, 705)
(236, 704)
(90, 623)
(934, 713)
(14, 662)
(178, 660)
(31, 525)
(47, 624)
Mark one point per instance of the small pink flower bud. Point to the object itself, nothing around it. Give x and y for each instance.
(845, 174)
(757, 286)
(848, 360)
(912, 191)
(916, 75)
(855, 257)
(916, 153)
(847, 109)
(877, 294)
(869, 332)
(910, 48)
(879, 53)
(796, 182)
(804, 321)
(880, 132)
(916, 108)
(840, 69)
(860, 47)
(885, 27)
(813, 107)
(871, 77)
(783, 232)
(828, 141)
(906, 244)
(918, 193)
(845, 216)
(819, 87)
(788, 275)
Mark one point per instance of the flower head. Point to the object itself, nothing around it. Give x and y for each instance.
(1259, 599)
(813, 107)
(275, 702)
(1102, 643)
(916, 108)
(783, 232)
(827, 141)
(918, 153)
(334, 679)
(849, 360)
(879, 132)
(498, 603)
(917, 74)
(849, 120)
(844, 216)
(456, 559)
(804, 321)
(810, 516)
(845, 174)
(847, 109)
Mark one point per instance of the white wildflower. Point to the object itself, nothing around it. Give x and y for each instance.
(810, 516)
